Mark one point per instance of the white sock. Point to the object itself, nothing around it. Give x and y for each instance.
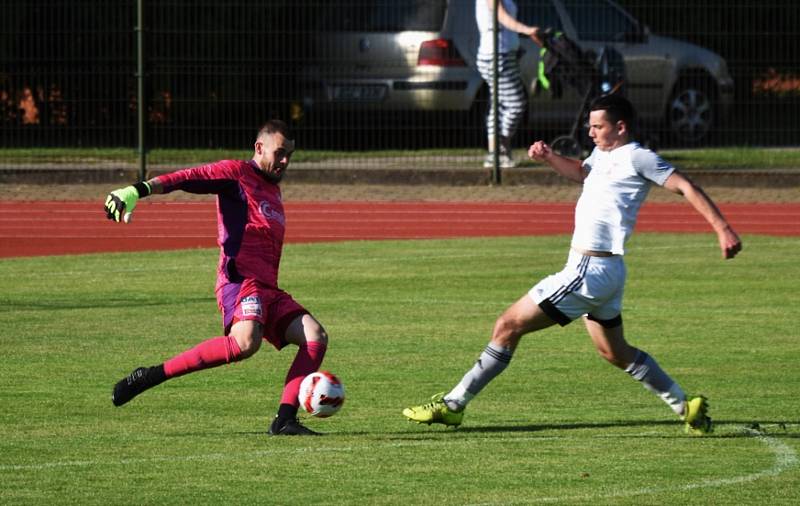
(458, 398)
(492, 362)
(646, 370)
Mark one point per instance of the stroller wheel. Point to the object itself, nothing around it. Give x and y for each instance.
(566, 146)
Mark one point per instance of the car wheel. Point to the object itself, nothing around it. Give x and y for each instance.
(690, 112)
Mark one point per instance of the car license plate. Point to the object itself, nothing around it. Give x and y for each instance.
(357, 93)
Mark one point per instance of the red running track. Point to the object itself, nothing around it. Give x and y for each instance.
(55, 228)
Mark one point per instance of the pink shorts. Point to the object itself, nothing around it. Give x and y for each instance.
(251, 300)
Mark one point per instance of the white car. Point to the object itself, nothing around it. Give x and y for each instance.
(418, 56)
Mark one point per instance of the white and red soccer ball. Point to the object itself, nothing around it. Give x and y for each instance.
(321, 394)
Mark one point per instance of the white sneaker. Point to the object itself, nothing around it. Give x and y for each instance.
(506, 162)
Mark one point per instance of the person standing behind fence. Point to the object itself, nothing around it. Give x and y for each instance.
(512, 97)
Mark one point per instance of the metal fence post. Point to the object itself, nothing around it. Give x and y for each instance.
(140, 98)
(495, 100)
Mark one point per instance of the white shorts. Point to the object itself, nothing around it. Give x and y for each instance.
(587, 285)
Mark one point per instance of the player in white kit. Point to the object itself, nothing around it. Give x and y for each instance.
(616, 179)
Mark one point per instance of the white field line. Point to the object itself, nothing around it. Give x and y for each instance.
(785, 458)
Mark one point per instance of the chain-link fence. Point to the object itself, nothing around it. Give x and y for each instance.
(383, 74)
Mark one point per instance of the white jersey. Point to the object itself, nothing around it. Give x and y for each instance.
(613, 191)
(507, 42)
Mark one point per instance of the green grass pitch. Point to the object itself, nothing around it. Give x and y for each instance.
(406, 320)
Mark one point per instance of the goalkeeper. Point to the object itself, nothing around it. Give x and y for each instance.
(251, 225)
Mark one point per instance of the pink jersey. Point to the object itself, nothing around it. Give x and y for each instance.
(250, 219)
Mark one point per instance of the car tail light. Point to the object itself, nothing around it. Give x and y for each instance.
(441, 53)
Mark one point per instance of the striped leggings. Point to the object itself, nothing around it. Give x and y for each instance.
(511, 100)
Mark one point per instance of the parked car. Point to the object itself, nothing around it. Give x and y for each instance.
(419, 56)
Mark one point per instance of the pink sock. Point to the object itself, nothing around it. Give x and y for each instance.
(211, 353)
(308, 359)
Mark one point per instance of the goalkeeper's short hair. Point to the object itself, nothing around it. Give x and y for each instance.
(272, 126)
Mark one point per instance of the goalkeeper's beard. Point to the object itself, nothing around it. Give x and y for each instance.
(273, 177)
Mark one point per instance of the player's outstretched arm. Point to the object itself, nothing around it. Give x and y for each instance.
(119, 204)
(729, 241)
(567, 167)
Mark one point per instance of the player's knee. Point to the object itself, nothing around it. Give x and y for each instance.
(249, 345)
(506, 331)
(316, 332)
(305, 329)
(248, 337)
(247, 334)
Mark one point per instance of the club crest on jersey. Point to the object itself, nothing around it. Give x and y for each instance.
(271, 214)
(251, 305)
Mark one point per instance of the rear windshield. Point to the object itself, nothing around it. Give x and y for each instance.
(381, 15)
(598, 20)
(539, 13)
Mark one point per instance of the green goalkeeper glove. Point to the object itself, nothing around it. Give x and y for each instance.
(121, 203)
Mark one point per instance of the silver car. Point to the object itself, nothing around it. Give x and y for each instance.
(418, 56)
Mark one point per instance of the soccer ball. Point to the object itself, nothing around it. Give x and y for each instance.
(321, 394)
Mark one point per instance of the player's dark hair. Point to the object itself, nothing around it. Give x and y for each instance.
(617, 108)
(272, 126)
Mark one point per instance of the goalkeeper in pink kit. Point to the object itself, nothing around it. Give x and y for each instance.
(251, 225)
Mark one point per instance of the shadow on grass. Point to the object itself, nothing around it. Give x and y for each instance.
(564, 426)
(778, 429)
